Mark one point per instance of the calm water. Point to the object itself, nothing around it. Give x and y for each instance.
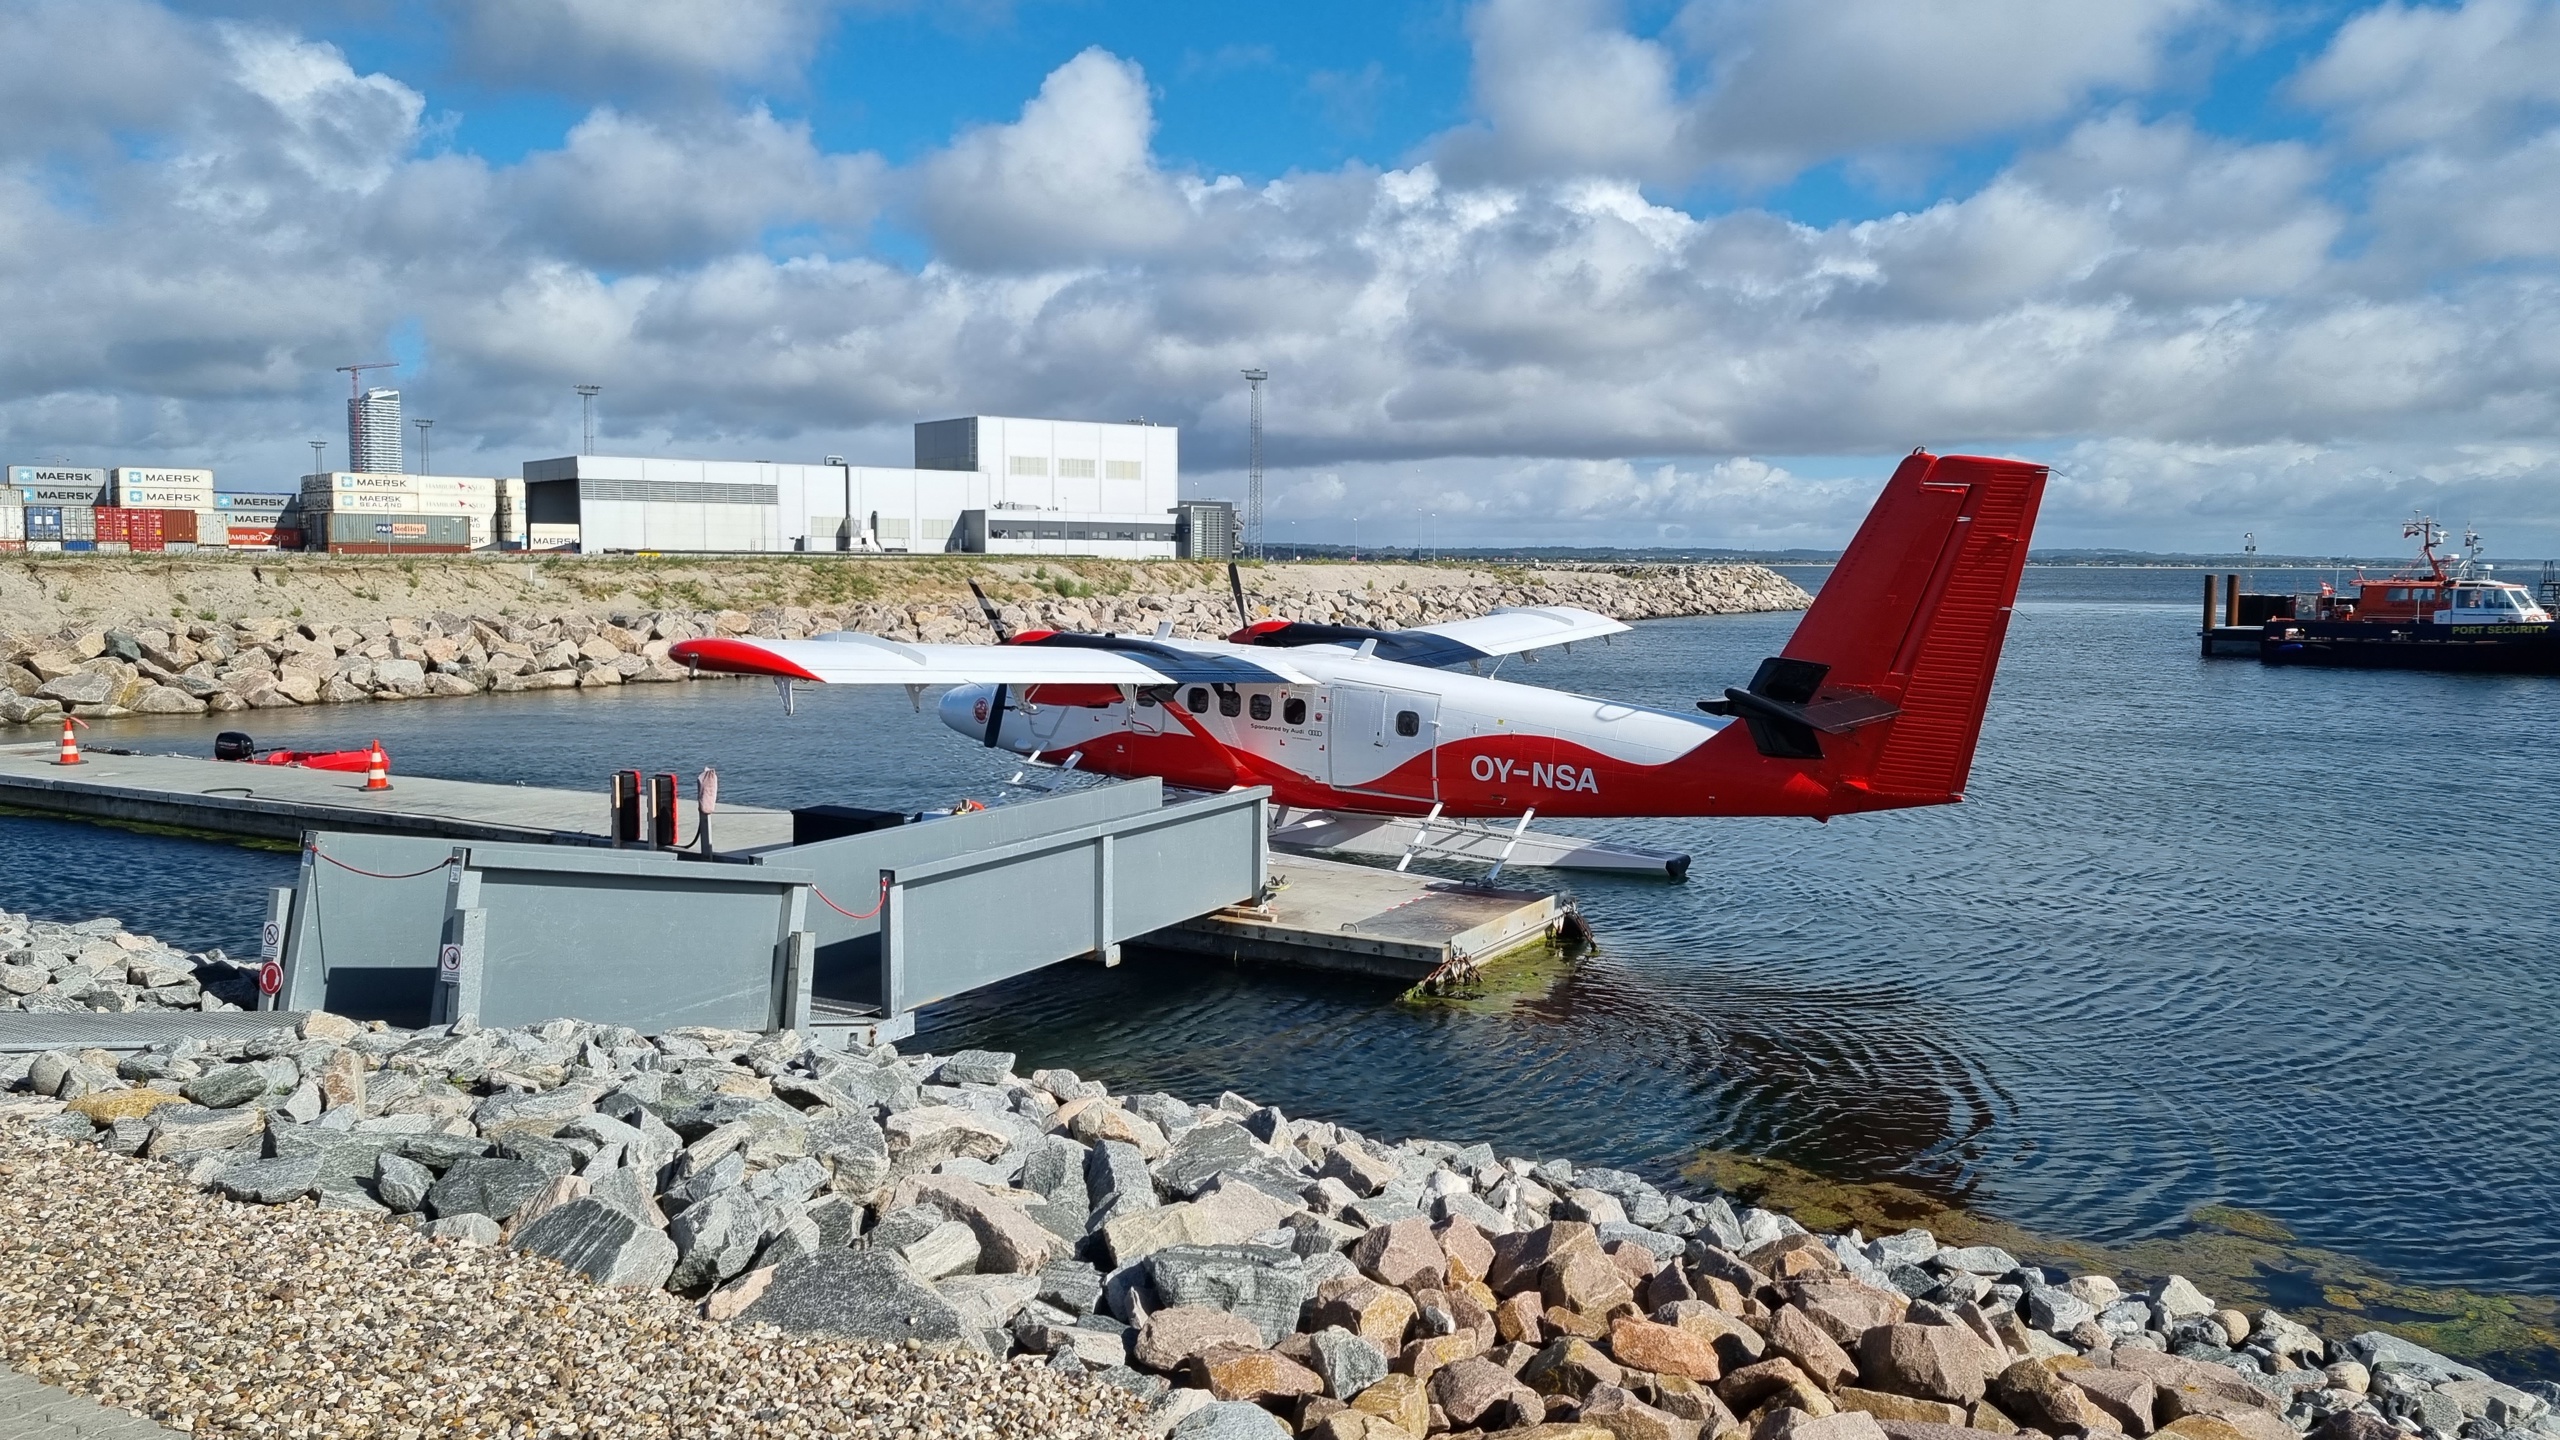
(2205, 933)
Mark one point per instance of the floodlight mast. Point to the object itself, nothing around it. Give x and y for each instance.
(1253, 468)
(587, 404)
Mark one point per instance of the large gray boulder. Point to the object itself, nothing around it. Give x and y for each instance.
(1263, 1284)
(714, 1240)
(601, 1242)
(1229, 1420)
(852, 1145)
(402, 1183)
(180, 1132)
(272, 1182)
(495, 1186)
(859, 1294)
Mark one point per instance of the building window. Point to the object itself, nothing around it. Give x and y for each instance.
(1293, 711)
(1408, 724)
(1120, 470)
(1229, 703)
(1075, 469)
(1261, 707)
(1033, 465)
(1198, 700)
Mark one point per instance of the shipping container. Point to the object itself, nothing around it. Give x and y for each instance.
(255, 499)
(370, 534)
(365, 502)
(156, 498)
(551, 537)
(181, 527)
(257, 537)
(104, 547)
(79, 522)
(156, 476)
(132, 529)
(43, 522)
(44, 547)
(59, 484)
(13, 522)
(12, 547)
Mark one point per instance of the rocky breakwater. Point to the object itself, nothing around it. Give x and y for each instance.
(171, 669)
(95, 965)
(1242, 1272)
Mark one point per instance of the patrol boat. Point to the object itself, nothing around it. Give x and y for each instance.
(2441, 615)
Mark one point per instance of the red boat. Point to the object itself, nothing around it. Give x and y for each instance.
(233, 745)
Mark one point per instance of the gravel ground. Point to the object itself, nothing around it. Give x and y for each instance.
(119, 1281)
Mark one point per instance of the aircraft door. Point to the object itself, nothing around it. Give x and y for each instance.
(1383, 741)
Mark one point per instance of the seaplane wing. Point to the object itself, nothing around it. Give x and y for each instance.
(850, 657)
(1506, 631)
(1514, 628)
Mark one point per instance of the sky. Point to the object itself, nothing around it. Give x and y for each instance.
(1522, 271)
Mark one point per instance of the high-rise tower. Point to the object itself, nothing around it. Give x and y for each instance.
(373, 432)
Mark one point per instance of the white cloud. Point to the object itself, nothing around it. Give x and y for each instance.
(1796, 84)
(1564, 89)
(1070, 181)
(2401, 75)
(630, 193)
(628, 48)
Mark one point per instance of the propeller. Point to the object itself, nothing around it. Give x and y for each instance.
(987, 608)
(996, 704)
(1235, 582)
(995, 717)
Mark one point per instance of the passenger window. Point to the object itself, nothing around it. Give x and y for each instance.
(1261, 707)
(1293, 711)
(1199, 699)
(1408, 724)
(1229, 702)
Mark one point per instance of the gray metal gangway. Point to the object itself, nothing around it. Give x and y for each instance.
(847, 936)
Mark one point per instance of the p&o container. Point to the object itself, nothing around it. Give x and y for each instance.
(359, 533)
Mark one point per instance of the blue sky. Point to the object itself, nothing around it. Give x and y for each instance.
(1690, 269)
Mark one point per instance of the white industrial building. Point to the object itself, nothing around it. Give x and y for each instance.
(983, 484)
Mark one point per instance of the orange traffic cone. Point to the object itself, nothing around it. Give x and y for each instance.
(70, 742)
(377, 768)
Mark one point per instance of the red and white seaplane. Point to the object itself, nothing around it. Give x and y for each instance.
(1391, 741)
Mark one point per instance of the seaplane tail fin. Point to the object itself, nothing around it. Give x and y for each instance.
(1884, 684)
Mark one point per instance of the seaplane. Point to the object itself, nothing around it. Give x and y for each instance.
(1409, 742)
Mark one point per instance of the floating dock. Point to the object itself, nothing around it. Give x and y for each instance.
(281, 802)
(851, 934)
(1361, 920)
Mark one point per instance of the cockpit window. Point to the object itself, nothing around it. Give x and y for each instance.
(1198, 700)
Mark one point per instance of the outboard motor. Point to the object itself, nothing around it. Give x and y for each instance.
(233, 745)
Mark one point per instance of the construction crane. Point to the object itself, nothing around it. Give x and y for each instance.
(355, 375)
